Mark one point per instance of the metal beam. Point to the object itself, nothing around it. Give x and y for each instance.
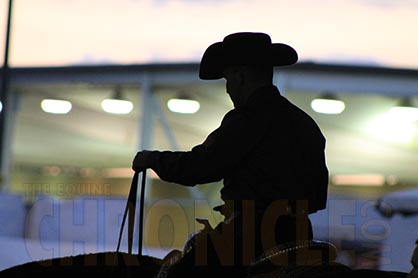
(165, 124)
(147, 117)
(302, 76)
(317, 81)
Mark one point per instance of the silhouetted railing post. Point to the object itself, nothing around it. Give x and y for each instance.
(4, 98)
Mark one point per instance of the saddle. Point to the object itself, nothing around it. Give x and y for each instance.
(308, 258)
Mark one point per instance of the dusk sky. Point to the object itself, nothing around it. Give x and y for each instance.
(68, 32)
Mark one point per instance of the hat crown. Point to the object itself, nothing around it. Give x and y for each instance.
(247, 48)
(247, 38)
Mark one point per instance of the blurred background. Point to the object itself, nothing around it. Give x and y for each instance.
(86, 84)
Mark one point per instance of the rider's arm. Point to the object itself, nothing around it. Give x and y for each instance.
(212, 160)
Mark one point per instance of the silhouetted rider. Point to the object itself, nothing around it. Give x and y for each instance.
(269, 153)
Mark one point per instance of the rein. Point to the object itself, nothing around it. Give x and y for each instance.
(130, 210)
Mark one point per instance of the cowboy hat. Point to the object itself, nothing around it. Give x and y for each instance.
(244, 48)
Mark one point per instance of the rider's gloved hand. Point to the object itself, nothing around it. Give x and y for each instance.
(140, 162)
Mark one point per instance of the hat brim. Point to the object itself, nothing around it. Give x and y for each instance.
(216, 58)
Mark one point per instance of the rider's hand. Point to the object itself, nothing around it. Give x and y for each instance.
(140, 162)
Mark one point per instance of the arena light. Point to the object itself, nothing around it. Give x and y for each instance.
(328, 104)
(183, 104)
(398, 125)
(405, 110)
(116, 104)
(358, 179)
(56, 106)
(388, 127)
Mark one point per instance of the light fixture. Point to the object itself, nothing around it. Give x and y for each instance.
(405, 110)
(327, 103)
(397, 125)
(359, 179)
(1, 106)
(183, 104)
(116, 104)
(56, 106)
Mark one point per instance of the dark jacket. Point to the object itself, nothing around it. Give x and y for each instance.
(267, 150)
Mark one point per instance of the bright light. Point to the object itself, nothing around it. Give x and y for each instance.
(359, 179)
(1, 106)
(389, 127)
(404, 113)
(327, 106)
(184, 106)
(56, 106)
(117, 106)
